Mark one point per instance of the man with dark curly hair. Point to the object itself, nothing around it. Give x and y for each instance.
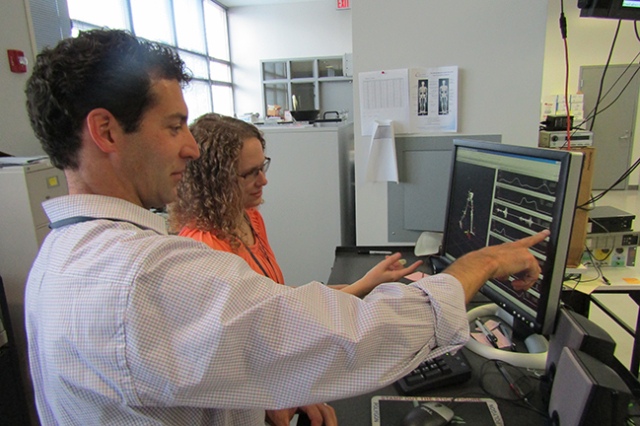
(128, 325)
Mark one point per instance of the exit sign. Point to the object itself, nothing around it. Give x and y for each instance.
(343, 4)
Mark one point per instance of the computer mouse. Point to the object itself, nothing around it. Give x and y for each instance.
(428, 414)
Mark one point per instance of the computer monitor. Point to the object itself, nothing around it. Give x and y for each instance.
(500, 193)
(612, 9)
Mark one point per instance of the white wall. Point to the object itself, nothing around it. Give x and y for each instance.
(16, 136)
(589, 41)
(498, 46)
(293, 30)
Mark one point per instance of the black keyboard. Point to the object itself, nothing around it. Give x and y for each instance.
(445, 370)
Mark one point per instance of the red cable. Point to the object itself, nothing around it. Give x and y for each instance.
(566, 94)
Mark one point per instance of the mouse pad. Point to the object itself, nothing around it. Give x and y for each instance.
(391, 410)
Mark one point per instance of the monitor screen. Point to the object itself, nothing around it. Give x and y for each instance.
(501, 193)
(613, 9)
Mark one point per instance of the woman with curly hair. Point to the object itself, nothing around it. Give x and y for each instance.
(220, 192)
(218, 195)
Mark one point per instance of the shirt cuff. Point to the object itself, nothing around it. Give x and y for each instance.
(448, 303)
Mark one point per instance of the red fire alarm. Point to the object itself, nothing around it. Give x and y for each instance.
(17, 61)
(343, 4)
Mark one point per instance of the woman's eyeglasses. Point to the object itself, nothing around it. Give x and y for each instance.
(253, 173)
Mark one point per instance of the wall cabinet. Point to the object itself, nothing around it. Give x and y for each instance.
(302, 84)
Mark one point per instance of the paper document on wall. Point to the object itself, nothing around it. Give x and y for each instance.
(382, 164)
(384, 95)
(418, 100)
(433, 99)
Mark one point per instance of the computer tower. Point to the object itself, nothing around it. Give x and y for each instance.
(586, 392)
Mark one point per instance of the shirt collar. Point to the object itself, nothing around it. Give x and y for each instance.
(102, 207)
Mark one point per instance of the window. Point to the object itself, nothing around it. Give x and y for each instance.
(196, 29)
(305, 84)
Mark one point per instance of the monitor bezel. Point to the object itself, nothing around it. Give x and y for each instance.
(558, 242)
(618, 11)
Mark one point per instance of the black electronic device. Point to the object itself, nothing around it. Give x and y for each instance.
(609, 219)
(556, 122)
(586, 392)
(445, 370)
(577, 332)
(612, 9)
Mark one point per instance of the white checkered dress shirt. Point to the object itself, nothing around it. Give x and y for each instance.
(130, 326)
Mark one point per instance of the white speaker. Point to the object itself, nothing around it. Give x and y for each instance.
(586, 392)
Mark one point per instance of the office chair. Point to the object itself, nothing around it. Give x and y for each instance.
(13, 403)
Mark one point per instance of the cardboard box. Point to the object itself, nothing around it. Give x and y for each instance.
(581, 218)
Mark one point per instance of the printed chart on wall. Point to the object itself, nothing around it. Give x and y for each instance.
(417, 100)
(384, 96)
(397, 410)
(433, 99)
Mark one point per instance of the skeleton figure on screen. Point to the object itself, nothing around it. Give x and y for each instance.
(468, 210)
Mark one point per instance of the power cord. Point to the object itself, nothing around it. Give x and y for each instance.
(624, 175)
(604, 72)
(563, 32)
(518, 389)
(596, 111)
(597, 262)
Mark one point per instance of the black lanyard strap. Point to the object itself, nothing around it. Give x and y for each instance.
(79, 219)
(70, 221)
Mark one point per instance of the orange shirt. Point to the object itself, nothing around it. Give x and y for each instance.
(261, 258)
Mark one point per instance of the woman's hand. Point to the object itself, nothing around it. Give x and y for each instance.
(390, 269)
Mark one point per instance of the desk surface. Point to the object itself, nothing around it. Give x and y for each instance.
(350, 264)
(356, 411)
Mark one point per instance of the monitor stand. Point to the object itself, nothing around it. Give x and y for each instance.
(537, 345)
